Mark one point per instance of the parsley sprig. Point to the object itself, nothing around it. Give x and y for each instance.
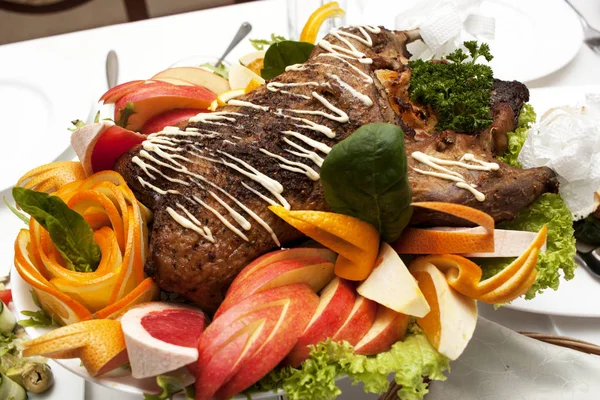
(259, 44)
(458, 90)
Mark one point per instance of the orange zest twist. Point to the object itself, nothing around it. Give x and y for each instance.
(433, 241)
(316, 19)
(120, 229)
(100, 344)
(356, 241)
(464, 276)
(50, 177)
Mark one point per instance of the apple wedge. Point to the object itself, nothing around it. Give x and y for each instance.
(388, 328)
(280, 255)
(197, 76)
(251, 338)
(169, 118)
(174, 81)
(453, 317)
(157, 99)
(115, 93)
(358, 323)
(112, 144)
(335, 304)
(391, 285)
(314, 271)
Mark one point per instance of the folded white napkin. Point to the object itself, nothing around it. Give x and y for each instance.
(444, 25)
(500, 364)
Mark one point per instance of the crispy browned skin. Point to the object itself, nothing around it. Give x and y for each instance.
(182, 261)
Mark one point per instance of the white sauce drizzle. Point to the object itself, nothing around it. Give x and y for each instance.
(221, 218)
(311, 142)
(196, 226)
(304, 153)
(293, 166)
(436, 164)
(243, 222)
(241, 103)
(366, 77)
(156, 188)
(363, 98)
(339, 115)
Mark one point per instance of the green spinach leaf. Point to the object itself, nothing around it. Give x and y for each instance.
(16, 212)
(70, 233)
(365, 176)
(282, 54)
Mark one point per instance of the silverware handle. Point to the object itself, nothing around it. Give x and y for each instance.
(112, 69)
(239, 36)
(579, 14)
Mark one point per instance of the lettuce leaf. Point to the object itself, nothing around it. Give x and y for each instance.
(517, 138)
(409, 361)
(549, 209)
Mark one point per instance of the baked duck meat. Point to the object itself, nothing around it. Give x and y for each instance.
(210, 181)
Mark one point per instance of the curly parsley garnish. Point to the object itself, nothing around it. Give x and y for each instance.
(458, 90)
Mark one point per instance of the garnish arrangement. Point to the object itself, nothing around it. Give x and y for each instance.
(320, 210)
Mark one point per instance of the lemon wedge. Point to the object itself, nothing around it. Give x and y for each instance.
(223, 98)
(240, 77)
(312, 26)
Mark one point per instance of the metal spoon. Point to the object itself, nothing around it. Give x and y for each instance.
(589, 256)
(244, 30)
(112, 69)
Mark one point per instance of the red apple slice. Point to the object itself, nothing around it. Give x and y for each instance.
(115, 93)
(222, 357)
(314, 271)
(175, 81)
(169, 118)
(388, 328)
(266, 322)
(358, 323)
(112, 144)
(282, 339)
(335, 304)
(161, 337)
(197, 76)
(280, 255)
(157, 99)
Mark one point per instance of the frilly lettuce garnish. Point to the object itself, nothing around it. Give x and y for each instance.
(517, 138)
(549, 209)
(409, 361)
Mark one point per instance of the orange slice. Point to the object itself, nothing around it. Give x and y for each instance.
(432, 241)
(464, 276)
(120, 230)
(50, 177)
(145, 292)
(99, 344)
(356, 241)
(312, 26)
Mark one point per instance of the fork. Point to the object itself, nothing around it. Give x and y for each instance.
(592, 35)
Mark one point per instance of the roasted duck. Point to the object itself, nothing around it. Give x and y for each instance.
(210, 182)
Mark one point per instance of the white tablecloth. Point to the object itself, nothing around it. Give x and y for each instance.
(77, 60)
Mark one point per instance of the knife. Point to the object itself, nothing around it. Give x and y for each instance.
(589, 257)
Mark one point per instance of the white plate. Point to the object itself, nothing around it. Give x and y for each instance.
(34, 125)
(579, 297)
(533, 37)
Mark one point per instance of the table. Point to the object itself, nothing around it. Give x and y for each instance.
(76, 61)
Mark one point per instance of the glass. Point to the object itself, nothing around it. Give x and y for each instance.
(298, 12)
